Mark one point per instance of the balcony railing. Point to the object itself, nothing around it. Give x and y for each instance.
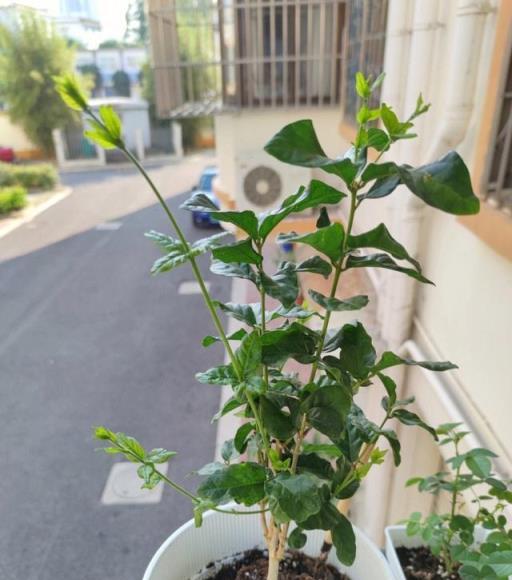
(213, 55)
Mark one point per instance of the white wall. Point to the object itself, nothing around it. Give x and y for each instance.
(13, 135)
(244, 134)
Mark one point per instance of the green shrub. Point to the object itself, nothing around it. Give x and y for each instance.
(41, 176)
(12, 198)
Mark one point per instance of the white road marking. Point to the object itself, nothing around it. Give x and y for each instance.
(124, 486)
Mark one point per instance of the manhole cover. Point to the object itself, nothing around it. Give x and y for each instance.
(124, 486)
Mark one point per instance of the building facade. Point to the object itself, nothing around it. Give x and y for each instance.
(109, 61)
(271, 62)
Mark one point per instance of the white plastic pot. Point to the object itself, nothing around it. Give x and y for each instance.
(190, 549)
(396, 537)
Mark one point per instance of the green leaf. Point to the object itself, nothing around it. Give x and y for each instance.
(294, 341)
(390, 386)
(386, 262)
(241, 438)
(296, 496)
(71, 92)
(315, 265)
(394, 443)
(445, 185)
(177, 254)
(327, 449)
(237, 335)
(245, 220)
(312, 463)
(297, 144)
(328, 240)
(221, 375)
(199, 201)
(327, 408)
(248, 354)
(411, 419)
(159, 455)
(318, 193)
(199, 510)
(333, 304)
(244, 271)
(149, 475)
(381, 239)
(378, 139)
(394, 127)
(297, 539)
(390, 359)
(381, 188)
(228, 451)
(379, 171)
(239, 252)
(283, 285)
(275, 421)
(323, 219)
(362, 86)
(99, 135)
(247, 313)
(344, 541)
(480, 465)
(243, 482)
(357, 355)
(112, 123)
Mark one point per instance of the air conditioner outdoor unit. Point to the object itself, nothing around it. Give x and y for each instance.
(263, 182)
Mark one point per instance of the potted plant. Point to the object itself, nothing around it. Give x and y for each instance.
(290, 486)
(468, 541)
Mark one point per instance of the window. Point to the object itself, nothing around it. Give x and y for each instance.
(366, 29)
(498, 188)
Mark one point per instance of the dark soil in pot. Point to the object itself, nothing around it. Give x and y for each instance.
(421, 564)
(253, 565)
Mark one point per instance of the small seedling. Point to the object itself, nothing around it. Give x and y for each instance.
(451, 536)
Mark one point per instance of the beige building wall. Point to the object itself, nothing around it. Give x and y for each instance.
(13, 136)
(467, 316)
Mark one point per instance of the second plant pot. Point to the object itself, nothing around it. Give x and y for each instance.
(188, 550)
(396, 537)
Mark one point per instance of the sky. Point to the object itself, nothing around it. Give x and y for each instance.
(111, 14)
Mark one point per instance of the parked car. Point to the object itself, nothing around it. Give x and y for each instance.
(7, 154)
(203, 218)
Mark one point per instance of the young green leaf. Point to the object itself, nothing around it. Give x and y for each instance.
(71, 92)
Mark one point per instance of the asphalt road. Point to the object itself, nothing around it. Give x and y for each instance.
(88, 337)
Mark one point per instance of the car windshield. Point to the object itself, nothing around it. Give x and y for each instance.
(205, 183)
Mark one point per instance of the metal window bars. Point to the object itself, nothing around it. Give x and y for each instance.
(498, 186)
(213, 55)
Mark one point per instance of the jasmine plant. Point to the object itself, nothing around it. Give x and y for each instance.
(292, 485)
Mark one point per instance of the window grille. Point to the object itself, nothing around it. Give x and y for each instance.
(366, 35)
(210, 55)
(498, 187)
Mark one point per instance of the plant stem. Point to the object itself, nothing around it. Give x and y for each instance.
(197, 273)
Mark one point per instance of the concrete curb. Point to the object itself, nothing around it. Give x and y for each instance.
(12, 223)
